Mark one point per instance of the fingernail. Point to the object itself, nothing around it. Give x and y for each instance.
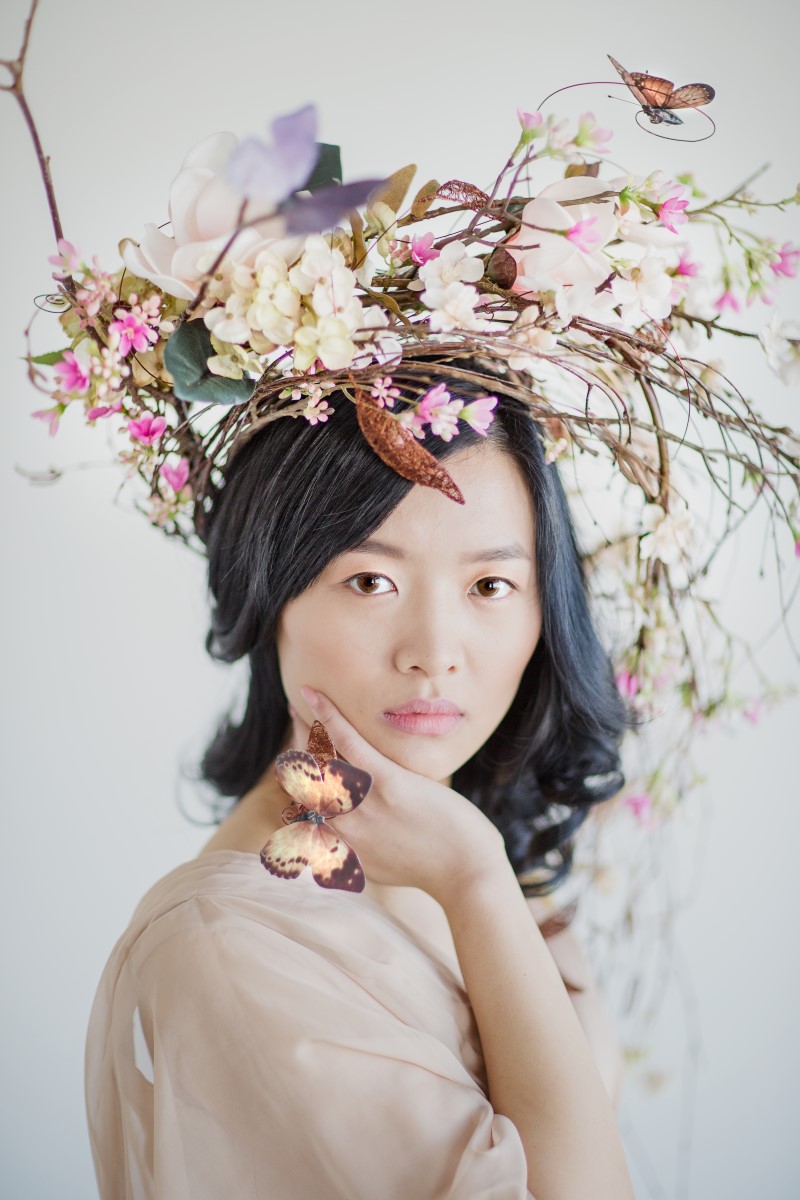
(309, 695)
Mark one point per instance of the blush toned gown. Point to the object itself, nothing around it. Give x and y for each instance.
(255, 1037)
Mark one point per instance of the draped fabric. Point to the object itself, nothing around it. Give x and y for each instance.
(255, 1037)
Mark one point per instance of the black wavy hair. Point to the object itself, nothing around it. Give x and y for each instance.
(293, 498)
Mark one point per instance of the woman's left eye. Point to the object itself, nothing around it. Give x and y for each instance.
(494, 580)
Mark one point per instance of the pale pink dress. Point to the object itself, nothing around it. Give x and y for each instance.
(255, 1037)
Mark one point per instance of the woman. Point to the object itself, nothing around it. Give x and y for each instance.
(268, 1037)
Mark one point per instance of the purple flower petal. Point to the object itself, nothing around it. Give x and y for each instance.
(313, 214)
(273, 172)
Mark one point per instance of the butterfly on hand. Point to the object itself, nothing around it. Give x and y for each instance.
(322, 787)
(659, 97)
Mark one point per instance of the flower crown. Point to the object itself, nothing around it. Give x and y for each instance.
(573, 286)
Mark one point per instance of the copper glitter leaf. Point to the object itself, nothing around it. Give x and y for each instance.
(401, 451)
(320, 745)
(582, 168)
(463, 193)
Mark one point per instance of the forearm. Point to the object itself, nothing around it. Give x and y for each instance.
(539, 1065)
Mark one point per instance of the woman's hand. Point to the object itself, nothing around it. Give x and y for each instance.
(409, 830)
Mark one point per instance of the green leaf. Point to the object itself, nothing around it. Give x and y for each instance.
(47, 360)
(186, 356)
(328, 168)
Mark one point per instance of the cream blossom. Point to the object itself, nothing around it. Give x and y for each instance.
(327, 339)
(530, 337)
(377, 341)
(453, 307)
(666, 535)
(781, 342)
(453, 265)
(643, 290)
(203, 211)
(262, 307)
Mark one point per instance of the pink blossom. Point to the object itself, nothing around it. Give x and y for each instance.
(422, 248)
(478, 414)
(71, 376)
(148, 429)
(787, 261)
(68, 259)
(529, 120)
(627, 684)
(133, 333)
(579, 234)
(797, 548)
(727, 300)
(104, 410)
(641, 805)
(754, 710)
(51, 415)
(671, 212)
(590, 136)
(432, 399)
(687, 267)
(383, 393)
(412, 421)
(177, 475)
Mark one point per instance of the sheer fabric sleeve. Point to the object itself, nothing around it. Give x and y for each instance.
(277, 1074)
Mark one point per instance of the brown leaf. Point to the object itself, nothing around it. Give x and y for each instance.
(320, 745)
(359, 248)
(463, 193)
(502, 268)
(424, 198)
(393, 190)
(401, 451)
(582, 168)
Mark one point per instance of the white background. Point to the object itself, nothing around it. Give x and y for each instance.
(107, 686)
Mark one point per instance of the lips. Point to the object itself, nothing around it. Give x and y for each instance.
(437, 707)
(431, 717)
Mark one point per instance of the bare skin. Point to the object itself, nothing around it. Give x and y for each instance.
(433, 634)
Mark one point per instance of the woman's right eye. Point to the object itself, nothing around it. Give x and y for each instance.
(369, 577)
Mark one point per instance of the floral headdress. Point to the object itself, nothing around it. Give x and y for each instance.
(277, 283)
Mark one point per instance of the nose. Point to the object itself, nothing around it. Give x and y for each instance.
(430, 638)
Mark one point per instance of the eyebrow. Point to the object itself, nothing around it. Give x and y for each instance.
(493, 554)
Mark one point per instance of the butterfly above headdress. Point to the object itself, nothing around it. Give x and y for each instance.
(659, 97)
(322, 787)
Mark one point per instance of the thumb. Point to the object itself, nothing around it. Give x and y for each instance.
(349, 743)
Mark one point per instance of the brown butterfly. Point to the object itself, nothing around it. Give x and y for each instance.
(322, 787)
(658, 97)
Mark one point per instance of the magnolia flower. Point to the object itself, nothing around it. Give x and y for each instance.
(665, 534)
(203, 211)
(531, 337)
(548, 261)
(781, 342)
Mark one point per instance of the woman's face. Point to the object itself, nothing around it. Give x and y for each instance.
(446, 607)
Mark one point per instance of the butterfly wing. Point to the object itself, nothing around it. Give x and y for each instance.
(656, 91)
(344, 788)
(333, 863)
(300, 776)
(289, 851)
(691, 95)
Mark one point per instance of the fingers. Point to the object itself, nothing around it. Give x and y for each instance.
(348, 742)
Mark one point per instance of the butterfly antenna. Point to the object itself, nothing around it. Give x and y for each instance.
(585, 83)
